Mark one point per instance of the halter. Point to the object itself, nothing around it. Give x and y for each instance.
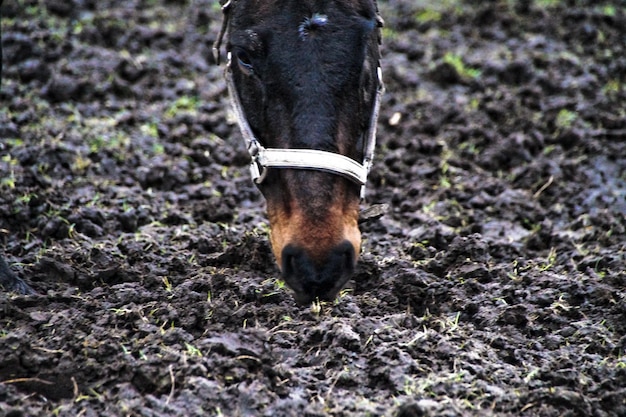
(311, 159)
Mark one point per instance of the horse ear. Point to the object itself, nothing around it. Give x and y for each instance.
(379, 20)
(226, 8)
(380, 23)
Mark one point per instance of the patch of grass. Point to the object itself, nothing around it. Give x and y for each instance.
(428, 15)
(423, 386)
(167, 283)
(118, 142)
(316, 308)
(474, 104)
(342, 294)
(192, 350)
(450, 323)
(532, 374)
(547, 4)
(14, 142)
(184, 104)
(26, 198)
(121, 312)
(608, 10)
(430, 207)
(613, 86)
(550, 260)
(158, 148)
(80, 164)
(389, 34)
(149, 129)
(565, 119)
(216, 7)
(456, 61)
(549, 149)
(470, 148)
(560, 305)
(8, 181)
(9, 160)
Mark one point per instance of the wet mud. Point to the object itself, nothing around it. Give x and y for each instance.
(494, 285)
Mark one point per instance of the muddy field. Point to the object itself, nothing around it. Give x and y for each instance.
(495, 284)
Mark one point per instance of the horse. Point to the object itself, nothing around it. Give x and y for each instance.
(305, 83)
(8, 279)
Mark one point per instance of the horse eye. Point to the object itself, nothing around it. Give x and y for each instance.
(243, 60)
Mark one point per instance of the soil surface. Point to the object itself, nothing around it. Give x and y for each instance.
(495, 284)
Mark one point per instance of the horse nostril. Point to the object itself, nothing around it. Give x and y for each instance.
(348, 258)
(295, 262)
(289, 255)
(345, 252)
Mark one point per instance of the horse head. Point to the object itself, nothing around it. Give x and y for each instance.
(304, 78)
